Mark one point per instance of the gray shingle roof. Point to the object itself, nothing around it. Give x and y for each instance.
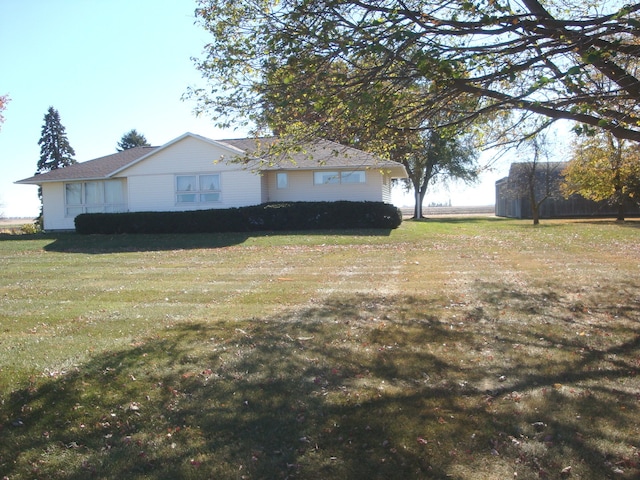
(93, 169)
(319, 154)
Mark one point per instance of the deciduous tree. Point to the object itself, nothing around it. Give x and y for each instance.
(604, 168)
(521, 58)
(369, 120)
(538, 179)
(438, 156)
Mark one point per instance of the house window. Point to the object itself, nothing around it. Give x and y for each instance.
(198, 188)
(94, 197)
(347, 177)
(282, 180)
(326, 178)
(355, 176)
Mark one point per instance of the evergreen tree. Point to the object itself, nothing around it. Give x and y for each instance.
(55, 150)
(132, 139)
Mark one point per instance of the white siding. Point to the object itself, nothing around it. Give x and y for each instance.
(302, 188)
(187, 155)
(53, 211)
(151, 185)
(151, 193)
(264, 187)
(386, 188)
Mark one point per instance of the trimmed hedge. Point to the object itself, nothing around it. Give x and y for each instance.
(268, 216)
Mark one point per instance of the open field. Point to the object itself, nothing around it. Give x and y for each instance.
(465, 348)
(484, 210)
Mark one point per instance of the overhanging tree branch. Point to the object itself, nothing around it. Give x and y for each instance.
(509, 56)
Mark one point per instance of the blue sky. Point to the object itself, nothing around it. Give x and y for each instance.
(107, 66)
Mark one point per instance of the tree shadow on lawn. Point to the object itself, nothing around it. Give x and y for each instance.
(70, 242)
(633, 222)
(104, 244)
(471, 219)
(353, 387)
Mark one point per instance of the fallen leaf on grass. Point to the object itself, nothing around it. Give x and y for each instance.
(539, 426)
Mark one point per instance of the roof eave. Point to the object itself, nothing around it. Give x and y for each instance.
(393, 169)
(35, 181)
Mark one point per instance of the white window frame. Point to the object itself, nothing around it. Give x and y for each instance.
(103, 203)
(197, 190)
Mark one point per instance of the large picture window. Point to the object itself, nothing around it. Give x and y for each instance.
(94, 197)
(355, 176)
(198, 188)
(334, 178)
(326, 178)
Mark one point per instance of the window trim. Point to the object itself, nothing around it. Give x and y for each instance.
(101, 207)
(282, 175)
(197, 191)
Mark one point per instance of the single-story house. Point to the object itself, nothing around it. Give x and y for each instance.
(193, 172)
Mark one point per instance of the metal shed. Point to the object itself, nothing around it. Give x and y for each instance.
(512, 204)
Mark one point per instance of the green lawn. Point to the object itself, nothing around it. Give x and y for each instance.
(458, 348)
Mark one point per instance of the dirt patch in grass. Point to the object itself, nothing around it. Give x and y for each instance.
(451, 350)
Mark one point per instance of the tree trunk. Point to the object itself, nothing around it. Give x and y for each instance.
(535, 206)
(419, 194)
(535, 213)
(423, 193)
(620, 217)
(417, 209)
(619, 197)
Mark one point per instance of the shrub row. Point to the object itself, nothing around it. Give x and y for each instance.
(268, 216)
